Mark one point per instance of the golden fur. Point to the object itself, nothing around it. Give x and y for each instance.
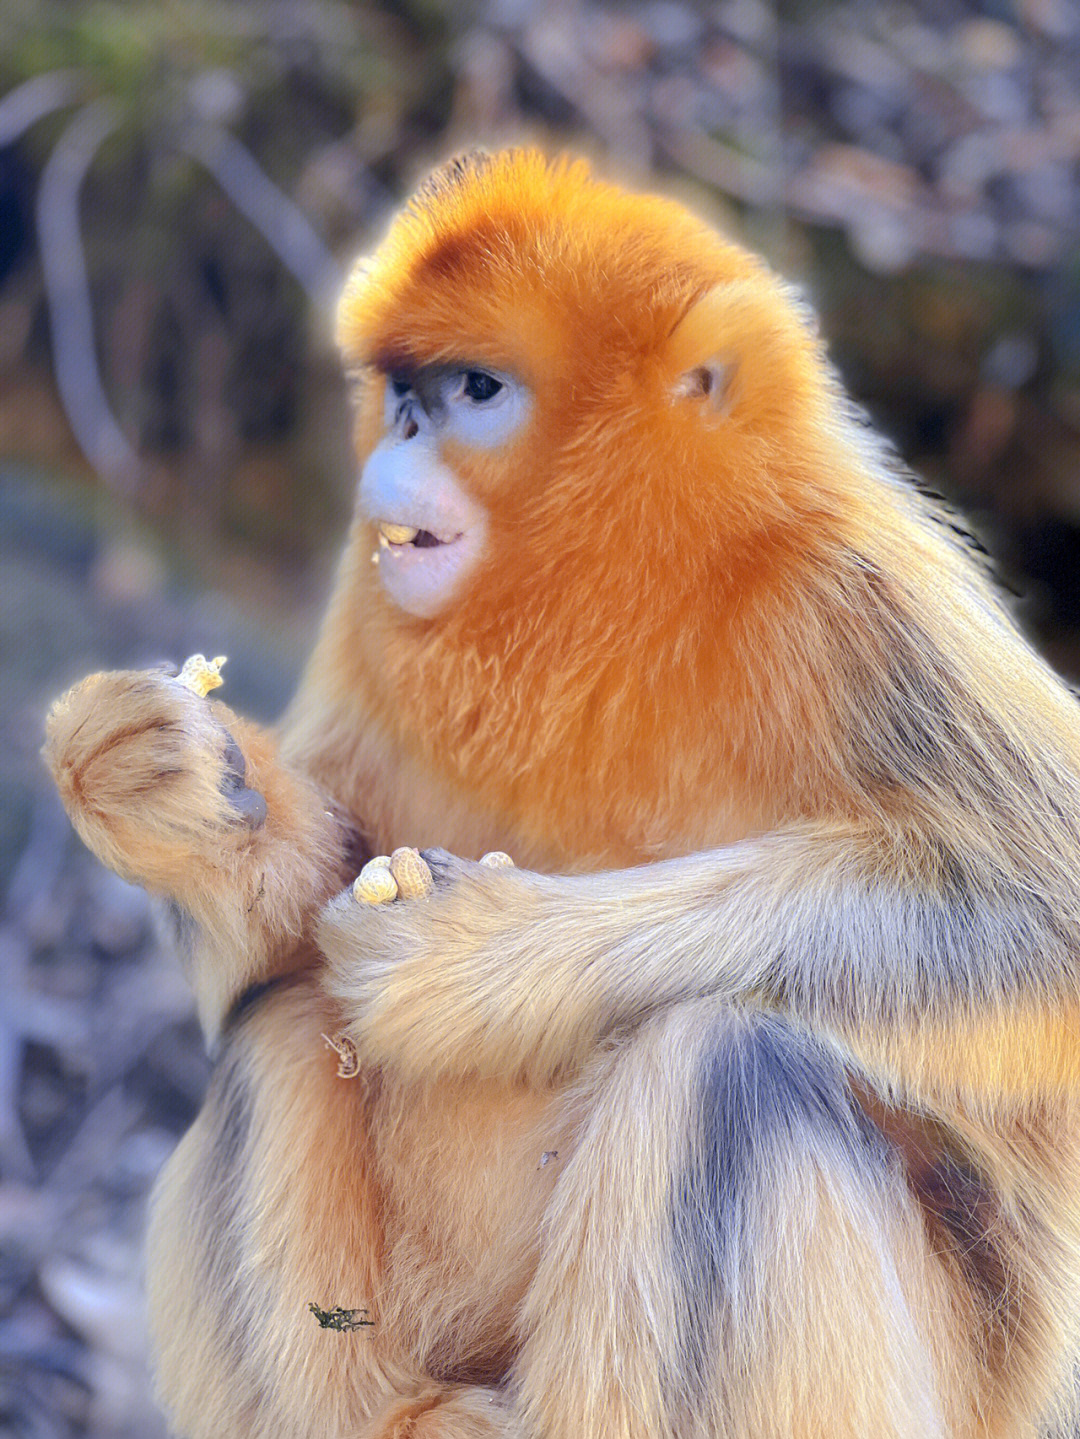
(772, 1135)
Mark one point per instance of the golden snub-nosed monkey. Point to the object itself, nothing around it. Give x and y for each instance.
(746, 1106)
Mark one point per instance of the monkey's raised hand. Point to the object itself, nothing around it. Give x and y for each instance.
(182, 795)
(150, 775)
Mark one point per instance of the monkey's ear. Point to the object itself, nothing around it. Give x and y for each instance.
(739, 345)
(701, 354)
(710, 382)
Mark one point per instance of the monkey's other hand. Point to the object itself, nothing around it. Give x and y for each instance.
(459, 980)
(149, 773)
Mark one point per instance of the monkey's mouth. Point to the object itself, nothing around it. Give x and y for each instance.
(422, 570)
(398, 537)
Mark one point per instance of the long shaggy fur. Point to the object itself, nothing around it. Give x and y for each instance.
(748, 1106)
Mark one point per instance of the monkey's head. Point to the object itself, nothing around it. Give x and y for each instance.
(586, 422)
(550, 366)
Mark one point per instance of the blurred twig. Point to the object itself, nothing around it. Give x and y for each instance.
(283, 224)
(68, 290)
(35, 98)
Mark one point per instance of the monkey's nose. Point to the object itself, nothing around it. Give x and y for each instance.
(405, 419)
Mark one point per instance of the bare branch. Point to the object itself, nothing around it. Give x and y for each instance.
(67, 289)
(282, 223)
(35, 98)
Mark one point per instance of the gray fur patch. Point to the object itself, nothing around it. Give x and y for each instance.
(771, 1099)
(178, 929)
(217, 1192)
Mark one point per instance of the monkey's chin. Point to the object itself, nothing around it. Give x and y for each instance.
(425, 580)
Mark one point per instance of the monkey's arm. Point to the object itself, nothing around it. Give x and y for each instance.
(176, 792)
(508, 972)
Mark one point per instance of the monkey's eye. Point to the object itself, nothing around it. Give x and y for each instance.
(400, 385)
(480, 386)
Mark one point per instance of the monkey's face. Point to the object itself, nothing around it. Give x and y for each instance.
(580, 410)
(431, 531)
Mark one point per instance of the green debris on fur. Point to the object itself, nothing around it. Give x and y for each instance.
(341, 1319)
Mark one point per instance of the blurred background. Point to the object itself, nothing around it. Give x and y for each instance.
(182, 187)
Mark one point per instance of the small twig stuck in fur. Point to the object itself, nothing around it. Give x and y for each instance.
(348, 1058)
(341, 1319)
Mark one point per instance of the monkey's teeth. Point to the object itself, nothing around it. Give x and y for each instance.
(396, 534)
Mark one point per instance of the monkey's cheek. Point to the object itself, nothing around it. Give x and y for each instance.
(426, 581)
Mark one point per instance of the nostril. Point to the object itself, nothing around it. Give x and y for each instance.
(405, 420)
